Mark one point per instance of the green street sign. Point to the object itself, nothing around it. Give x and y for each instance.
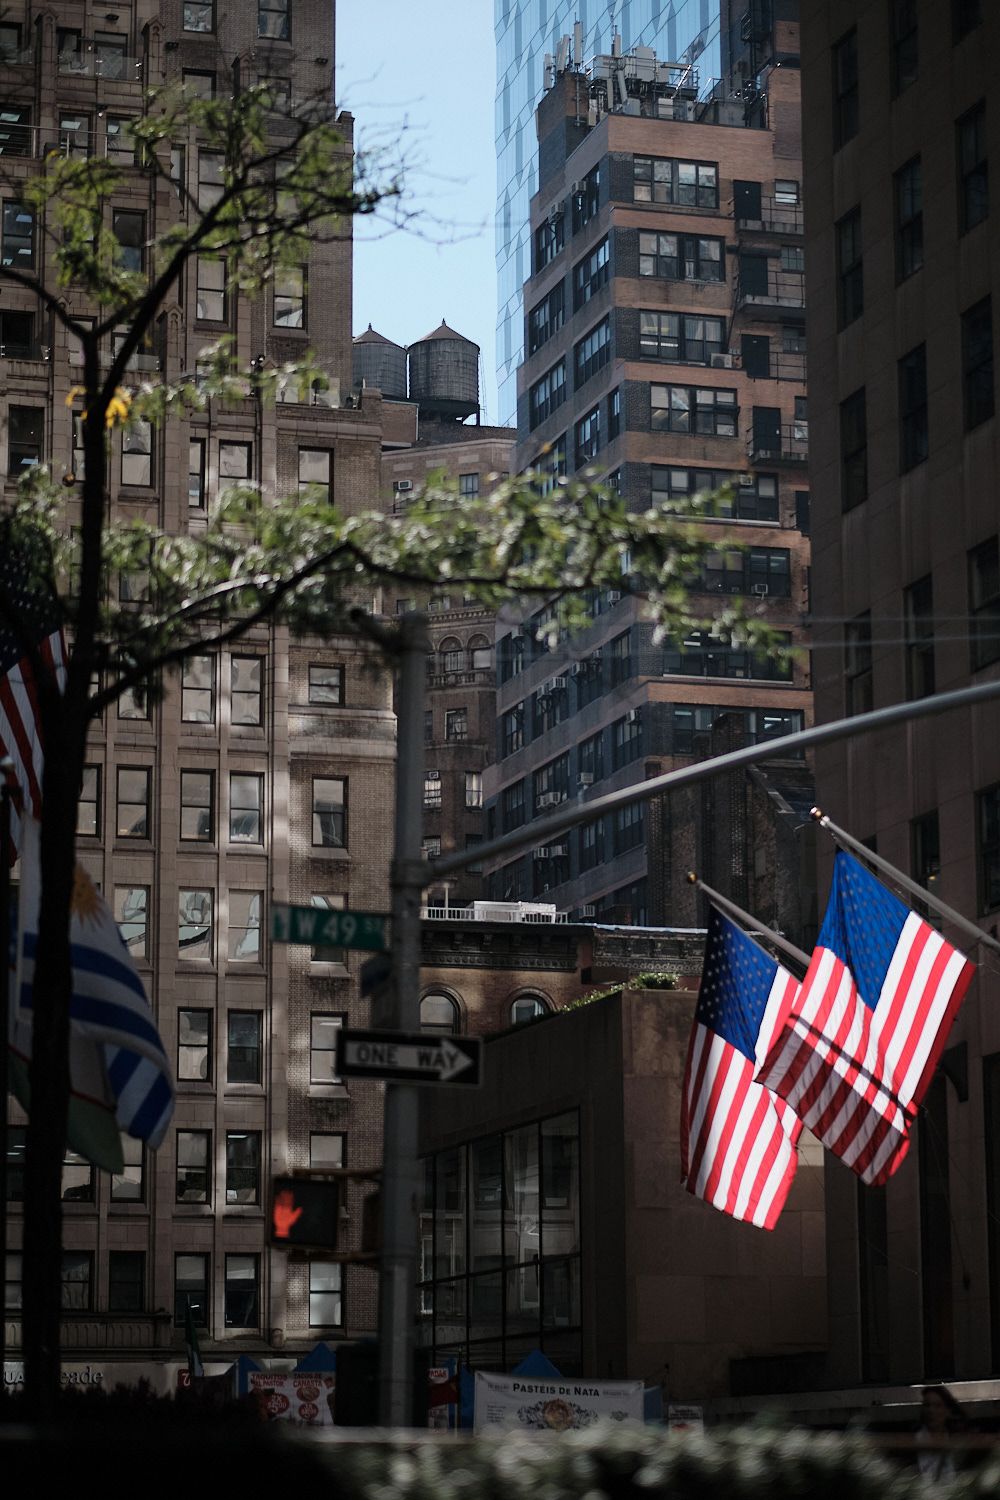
(322, 928)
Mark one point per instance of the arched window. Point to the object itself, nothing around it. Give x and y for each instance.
(480, 653)
(438, 1012)
(452, 655)
(526, 1008)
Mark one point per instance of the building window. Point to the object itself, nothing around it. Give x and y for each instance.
(129, 228)
(326, 1307)
(693, 184)
(196, 474)
(627, 825)
(973, 168)
(751, 497)
(913, 437)
(242, 1291)
(845, 89)
(591, 274)
(547, 317)
(76, 1281)
(273, 19)
(194, 924)
(17, 341)
(326, 684)
(512, 806)
(88, 810)
(131, 914)
(438, 1012)
(471, 840)
(10, 41)
(614, 418)
(137, 454)
(329, 812)
(17, 236)
(210, 290)
(681, 257)
(194, 1151)
(903, 43)
(243, 1046)
(119, 142)
(592, 352)
(550, 239)
(984, 604)
(626, 739)
(925, 852)
(316, 472)
(133, 802)
(246, 807)
(473, 788)
(680, 338)
(323, 1030)
(290, 297)
(689, 409)
(191, 1289)
(918, 602)
(587, 434)
(77, 1178)
(480, 654)
(244, 926)
(858, 692)
(12, 1290)
(430, 846)
(456, 724)
(246, 690)
(235, 462)
(547, 394)
(194, 1046)
(468, 486)
(432, 790)
(129, 1185)
(242, 1166)
(126, 1281)
(853, 451)
(527, 1008)
(323, 953)
(977, 363)
(198, 690)
(74, 134)
(25, 435)
(988, 819)
(586, 199)
(326, 1151)
(198, 806)
(850, 269)
(198, 17)
(908, 197)
(211, 178)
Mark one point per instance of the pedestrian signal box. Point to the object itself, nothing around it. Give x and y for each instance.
(304, 1213)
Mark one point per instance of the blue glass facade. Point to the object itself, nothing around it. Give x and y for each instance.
(678, 31)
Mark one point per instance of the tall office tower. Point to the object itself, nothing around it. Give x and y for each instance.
(665, 348)
(683, 31)
(266, 772)
(903, 273)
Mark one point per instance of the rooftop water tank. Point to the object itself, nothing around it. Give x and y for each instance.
(444, 375)
(377, 361)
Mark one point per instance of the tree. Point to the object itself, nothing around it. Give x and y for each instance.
(298, 559)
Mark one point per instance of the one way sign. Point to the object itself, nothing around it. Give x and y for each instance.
(410, 1057)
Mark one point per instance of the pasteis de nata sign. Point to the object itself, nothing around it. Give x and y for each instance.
(510, 1401)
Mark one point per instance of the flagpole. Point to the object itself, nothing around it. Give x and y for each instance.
(839, 836)
(751, 923)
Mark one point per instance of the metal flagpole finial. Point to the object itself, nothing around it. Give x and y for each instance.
(818, 815)
(692, 878)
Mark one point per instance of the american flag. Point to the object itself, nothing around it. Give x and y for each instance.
(31, 616)
(856, 1052)
(737, 1138)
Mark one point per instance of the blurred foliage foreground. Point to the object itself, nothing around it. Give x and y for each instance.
(190, 1444)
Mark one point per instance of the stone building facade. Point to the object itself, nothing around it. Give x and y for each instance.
(264, 775)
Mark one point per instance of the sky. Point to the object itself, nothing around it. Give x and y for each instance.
(420, 81)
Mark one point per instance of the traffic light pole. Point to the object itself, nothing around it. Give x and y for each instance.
(400, 1181)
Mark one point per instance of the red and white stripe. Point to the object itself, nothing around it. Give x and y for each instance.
(737, 1138)
(20, 725)
(855, 1075)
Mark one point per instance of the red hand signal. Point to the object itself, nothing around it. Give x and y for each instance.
(285, 1214)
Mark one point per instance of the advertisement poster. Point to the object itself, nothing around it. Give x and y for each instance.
(685, 1418)
(442, 1396)
(508, 1401)
(306, 1399)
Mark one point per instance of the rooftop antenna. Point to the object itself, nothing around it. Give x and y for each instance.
(578, 44)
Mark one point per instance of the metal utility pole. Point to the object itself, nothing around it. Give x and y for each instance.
(401, 1012)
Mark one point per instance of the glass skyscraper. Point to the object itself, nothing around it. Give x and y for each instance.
(678, 31)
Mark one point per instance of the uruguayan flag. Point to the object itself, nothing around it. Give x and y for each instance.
(109, 1005)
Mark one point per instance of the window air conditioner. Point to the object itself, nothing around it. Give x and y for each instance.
(614, 596)
(760, 589)
(585, 778)
(558, 851)
(402, 486)
(542, 852)
(588, 911)
(546, 799)
(721, 362)
(632, 716)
